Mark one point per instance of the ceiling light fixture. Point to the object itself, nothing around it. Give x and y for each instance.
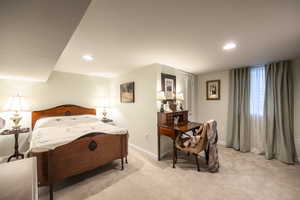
(230, 45)
(88, 57)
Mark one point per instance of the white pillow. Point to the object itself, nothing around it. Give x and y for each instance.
(65, 121)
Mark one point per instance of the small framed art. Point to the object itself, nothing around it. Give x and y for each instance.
(168, 85)
(127, 92)
(213, 89)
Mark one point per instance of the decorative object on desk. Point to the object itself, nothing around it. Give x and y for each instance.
(179, 99)
(167, 107)
(176, 120)
(127, 92)
(161, 97)
(15, 132)
(2, 123)
(16, 104)
(168, 85)
(172, 106)
(213, 89)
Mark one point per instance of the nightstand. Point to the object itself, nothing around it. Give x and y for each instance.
(15, 132)
(108, 121)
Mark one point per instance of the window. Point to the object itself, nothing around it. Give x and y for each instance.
(257, 91)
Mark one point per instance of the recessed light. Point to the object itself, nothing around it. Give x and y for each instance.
(88, 57)
(230, 45)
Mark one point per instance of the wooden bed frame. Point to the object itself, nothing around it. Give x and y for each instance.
(83, 154)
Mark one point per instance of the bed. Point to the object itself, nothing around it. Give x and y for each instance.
(68, 140)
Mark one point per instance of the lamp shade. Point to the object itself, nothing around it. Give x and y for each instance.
(16, 103)
(180, 97)
(161, 96)
(104, 103)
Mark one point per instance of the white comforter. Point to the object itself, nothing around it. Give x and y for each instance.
(50, 133)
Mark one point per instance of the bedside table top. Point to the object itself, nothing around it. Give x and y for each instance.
(106, 120)
(12, 131)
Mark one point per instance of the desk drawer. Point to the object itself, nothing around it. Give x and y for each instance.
(167, 132)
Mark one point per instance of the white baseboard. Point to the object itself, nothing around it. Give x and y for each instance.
(152, 155)
(222, 142)
(166, 153)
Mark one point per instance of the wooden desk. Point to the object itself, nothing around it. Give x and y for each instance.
(172, 131)
(18, 180)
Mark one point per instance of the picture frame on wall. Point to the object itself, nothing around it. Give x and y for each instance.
(213, 90)
(127, 92)
(168, 85)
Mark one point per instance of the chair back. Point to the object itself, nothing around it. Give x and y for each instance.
(200, 139)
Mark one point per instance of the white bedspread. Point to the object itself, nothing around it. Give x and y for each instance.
(53, 132)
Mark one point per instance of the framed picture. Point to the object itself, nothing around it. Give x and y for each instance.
(127, 92)
(213, 89)
(168, 85)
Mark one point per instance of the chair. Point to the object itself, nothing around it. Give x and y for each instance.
(194, 144)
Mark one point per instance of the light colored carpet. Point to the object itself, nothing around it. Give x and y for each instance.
(242, 176)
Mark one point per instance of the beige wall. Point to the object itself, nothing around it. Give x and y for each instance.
(296, 72)
(138, 117)
(61, 88)
(141, 117)
(216, 110)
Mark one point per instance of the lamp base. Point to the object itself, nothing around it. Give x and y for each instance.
(181, 106)
(16, 118)
(104, 113)
(162, 107)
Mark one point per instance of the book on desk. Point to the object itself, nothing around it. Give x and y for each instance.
(166, 126)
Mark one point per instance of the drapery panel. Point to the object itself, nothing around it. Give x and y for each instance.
(278, 113)
(260, 117)
(238, 134)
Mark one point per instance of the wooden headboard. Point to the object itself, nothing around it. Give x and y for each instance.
(63, 110)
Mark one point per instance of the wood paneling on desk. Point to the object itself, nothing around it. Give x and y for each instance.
(166, 127)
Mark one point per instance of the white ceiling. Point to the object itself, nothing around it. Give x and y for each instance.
(33, 34)
(123, 35)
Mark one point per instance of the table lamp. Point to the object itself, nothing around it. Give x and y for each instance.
(161, 97)
(104, 105)
(16, 104)
(180, 99)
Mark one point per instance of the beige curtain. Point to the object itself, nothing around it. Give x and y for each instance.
(278, 113)
(238, 134)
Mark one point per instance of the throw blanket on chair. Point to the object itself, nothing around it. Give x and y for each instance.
(206, 138)
(212, 137)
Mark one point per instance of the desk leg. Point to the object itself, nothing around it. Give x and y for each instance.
(158, 144)
(174, 154)
(51, 191)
